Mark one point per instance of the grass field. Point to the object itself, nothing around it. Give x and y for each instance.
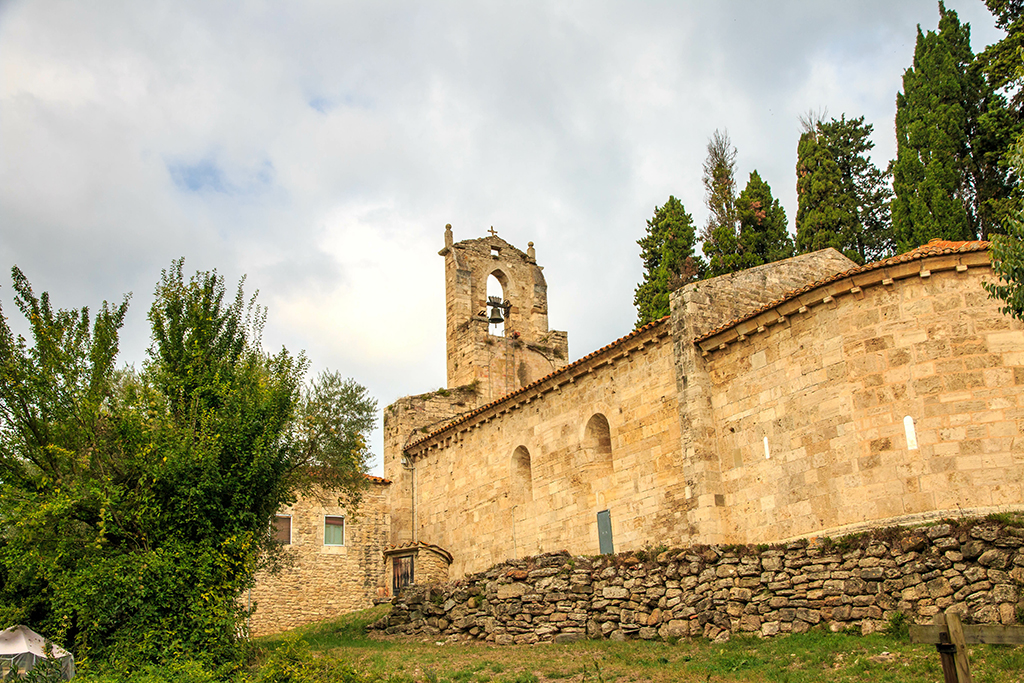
(814, 656)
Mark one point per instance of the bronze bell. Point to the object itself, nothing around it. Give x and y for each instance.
(495, 318)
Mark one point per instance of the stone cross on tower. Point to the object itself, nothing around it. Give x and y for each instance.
(494, 233)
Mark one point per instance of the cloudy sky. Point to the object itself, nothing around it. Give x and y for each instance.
(321, 147)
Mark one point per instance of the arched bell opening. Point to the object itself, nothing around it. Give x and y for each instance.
(497, 306)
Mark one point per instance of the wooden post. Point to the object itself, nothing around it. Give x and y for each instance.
(950, 638)
(946, 650)
(956, 635)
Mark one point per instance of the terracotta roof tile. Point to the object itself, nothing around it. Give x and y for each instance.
(377, 480)
(935, 247)
(560, 371)
(398, 547)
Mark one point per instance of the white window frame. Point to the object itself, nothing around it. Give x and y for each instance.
(273, 528)
(343, 525)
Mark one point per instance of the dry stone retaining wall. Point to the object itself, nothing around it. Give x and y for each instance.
(975, 568)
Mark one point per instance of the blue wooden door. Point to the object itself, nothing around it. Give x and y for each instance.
(604, 532)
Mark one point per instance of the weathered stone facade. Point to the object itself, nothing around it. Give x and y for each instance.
(809, 397)
(320, 581)
(973, 568)
(804, 397)
(534, 478)
(811, 402)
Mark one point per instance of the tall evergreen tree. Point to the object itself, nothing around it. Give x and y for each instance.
(719, 234)
(669, 261)
(843, 198)
(826, 213)
(952, 130)
(763, 234)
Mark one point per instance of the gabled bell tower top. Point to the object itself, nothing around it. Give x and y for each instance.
(527, 350)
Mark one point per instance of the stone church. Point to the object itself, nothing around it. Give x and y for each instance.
(800, 398)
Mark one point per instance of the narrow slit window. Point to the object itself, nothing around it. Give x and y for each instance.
(908, 427)
(334, 530)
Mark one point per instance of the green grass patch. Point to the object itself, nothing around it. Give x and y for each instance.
(340, 650)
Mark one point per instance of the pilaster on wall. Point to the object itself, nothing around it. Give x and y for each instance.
(700, 466)
(528, 350)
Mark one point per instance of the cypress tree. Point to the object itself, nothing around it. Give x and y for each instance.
(826, 213)
(936, 116)
(668, 256)
(843, 198)
(764, 236)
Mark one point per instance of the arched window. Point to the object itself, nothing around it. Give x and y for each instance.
(496, 282)
(597, 444)
(521, 478)
(592, 474)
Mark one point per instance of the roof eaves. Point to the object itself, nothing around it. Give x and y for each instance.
(933, 248)
(565, 369)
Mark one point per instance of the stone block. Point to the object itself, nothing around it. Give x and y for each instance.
(997, 559)
(811, 616)
(938, 587)
(614, 593)
(512, 590)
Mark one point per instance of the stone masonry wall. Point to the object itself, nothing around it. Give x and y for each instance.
(321, 581)
(975, 568)
(534, 475)
(406, 420)
(697, 309)
(809, 415)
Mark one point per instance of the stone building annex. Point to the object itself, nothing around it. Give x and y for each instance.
(805, 397)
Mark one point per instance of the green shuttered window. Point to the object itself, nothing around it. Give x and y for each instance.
(334, 530)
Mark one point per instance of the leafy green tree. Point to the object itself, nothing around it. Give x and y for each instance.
(952, 132)
(1001, 60)
(764, 234)
(719, 237)
(137, 505)
(1000, 123)
(1008, 264)
(668, 256)
(843, 198)
(1007, 250)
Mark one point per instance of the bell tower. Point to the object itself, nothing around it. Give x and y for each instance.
(497, 310)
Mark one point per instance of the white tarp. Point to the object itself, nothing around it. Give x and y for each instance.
(23, 647)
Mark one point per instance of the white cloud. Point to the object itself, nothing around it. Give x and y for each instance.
(322, 147)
